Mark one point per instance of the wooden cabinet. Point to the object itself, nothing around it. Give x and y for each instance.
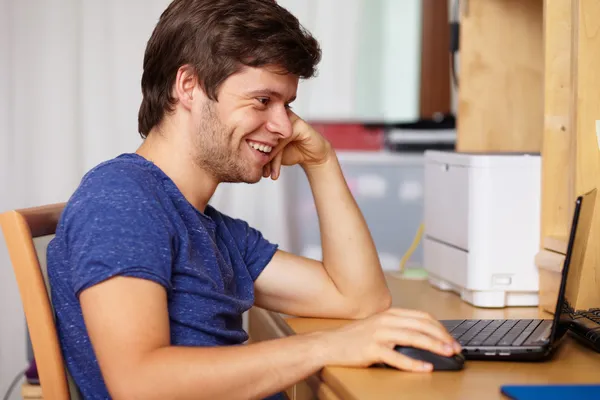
(501, 96)
(571, 149)
(529, 82)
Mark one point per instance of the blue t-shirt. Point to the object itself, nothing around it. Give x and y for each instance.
(128, 218)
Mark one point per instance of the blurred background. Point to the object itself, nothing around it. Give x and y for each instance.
(70, 91)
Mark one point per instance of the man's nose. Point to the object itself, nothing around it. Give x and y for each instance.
(279, 123)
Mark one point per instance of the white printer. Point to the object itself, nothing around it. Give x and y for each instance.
(482, 226)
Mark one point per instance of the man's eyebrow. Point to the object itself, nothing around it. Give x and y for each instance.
(269, 92)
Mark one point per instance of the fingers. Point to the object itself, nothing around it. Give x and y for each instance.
(276, 166)
(273, 168)
(414, 338)
(377, 336)
(394, 359)
(420, 321)
(267, 170)
(428, 327)
(443, 341)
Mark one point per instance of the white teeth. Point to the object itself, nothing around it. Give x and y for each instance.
(261, 147)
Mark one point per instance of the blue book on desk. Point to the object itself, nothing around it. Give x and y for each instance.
(551, 392)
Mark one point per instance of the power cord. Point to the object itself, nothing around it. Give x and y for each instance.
(412, 248)
(14, 384)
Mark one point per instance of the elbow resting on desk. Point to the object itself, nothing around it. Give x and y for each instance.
(364, 291)
(365, 306)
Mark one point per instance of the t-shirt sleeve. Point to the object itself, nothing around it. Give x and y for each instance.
(118, 225)
(255, 249)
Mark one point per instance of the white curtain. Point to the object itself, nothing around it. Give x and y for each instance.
(69, 94)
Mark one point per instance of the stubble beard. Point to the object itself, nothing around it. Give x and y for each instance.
(213, 153)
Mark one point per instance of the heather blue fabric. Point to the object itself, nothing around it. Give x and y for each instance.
(128, 218)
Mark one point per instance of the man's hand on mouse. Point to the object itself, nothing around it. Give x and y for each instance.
(305, 146)
(372, 340)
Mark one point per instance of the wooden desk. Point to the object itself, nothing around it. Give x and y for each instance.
(572, 363)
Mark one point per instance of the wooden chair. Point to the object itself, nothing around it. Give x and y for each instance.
(20, 228)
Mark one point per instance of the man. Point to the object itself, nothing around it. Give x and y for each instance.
(149, 282)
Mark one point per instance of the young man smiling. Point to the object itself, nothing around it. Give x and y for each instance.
(149, 282)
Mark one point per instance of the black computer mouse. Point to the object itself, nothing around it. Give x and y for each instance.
(439, 362)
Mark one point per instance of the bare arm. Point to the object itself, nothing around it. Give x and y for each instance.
(349, 283)
(349, 254)
(128, 324)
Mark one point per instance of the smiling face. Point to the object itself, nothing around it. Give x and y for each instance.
(233, 137)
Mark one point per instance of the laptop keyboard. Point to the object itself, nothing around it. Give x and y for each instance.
(503, 332)
(593, 314)
(586, 324)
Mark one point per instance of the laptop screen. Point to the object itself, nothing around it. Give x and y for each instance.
(573, 266)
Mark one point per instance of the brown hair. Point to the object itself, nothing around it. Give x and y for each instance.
(217, 38)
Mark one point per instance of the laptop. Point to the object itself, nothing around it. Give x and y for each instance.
(532, 339)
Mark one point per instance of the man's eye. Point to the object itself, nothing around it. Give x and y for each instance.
(263, 100)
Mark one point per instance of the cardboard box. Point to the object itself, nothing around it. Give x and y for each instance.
(550, 265)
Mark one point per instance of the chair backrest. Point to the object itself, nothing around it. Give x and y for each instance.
(20, 228)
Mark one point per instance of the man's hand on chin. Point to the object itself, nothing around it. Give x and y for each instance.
(305, 147)
(348, 282)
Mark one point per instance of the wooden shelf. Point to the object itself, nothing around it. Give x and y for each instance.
(558, 183)
(557, 244)
(500, 98)
(571, 152)
(529, 83)
(550, 260)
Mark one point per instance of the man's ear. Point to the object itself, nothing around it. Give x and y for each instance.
(186, 82)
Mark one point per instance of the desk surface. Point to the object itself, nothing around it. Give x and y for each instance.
(572, 363)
